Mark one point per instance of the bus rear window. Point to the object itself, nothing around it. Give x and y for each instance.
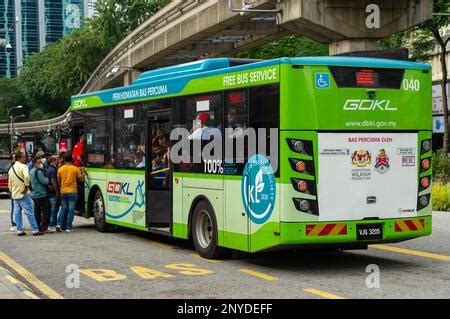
(349, 77)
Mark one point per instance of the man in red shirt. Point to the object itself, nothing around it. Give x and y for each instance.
(78, 153)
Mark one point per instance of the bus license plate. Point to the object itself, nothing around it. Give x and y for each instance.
(369, 232)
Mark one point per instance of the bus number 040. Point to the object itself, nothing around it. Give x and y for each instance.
(213, 167)
(411, 85)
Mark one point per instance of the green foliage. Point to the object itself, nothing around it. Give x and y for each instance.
(440, 195)
(11, 95)
(117, 18)
(420, 39)
(290, 46)
(52, 76)
(60, 71)
(440, 164)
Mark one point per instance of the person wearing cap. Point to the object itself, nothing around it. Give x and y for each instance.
(39, 154)
(39, 183)
(202, 119)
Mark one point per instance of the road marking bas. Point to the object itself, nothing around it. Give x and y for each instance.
(195, 255)
(411, 252)
(162, 245)
(4, 211)
(30, 278)
(322, 293)
(258, 274)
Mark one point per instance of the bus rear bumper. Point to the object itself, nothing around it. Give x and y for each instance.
(345, 232)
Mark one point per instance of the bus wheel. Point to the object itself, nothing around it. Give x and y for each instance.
(98, 208)
(204, 232)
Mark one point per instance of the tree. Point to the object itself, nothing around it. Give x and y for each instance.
(52, 76)
(290, 46)
(117, 18)
(420, 40)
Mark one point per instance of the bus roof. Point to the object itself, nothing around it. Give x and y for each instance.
(225, 63)
(219, 66)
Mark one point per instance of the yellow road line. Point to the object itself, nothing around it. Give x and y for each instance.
(16, 281)
(27, 291)
(322, 293)
(31, 295)
(4, 211)
(208, 260)
(411, 252)
(162, 245)
(29, 277)
(258, 274)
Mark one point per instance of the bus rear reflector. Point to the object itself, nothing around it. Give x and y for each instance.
(409, 225)
(326, 230)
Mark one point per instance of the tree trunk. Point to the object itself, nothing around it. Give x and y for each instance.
(443, 54)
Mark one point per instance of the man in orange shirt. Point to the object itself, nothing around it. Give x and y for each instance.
(68, 177)
(78, 161)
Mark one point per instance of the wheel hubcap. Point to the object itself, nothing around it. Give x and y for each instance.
(204, 229)
(98, 209)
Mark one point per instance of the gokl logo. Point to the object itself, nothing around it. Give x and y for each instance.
(119, 188)
(382, 162)
(368, 105)
(361, 158)
(79, 103)
(258, 189)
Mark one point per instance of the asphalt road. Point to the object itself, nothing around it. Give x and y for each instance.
(138, 265)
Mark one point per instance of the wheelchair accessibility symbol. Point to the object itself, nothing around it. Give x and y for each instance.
(322, 80)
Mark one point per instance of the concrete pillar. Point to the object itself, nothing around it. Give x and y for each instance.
(129, 76)
(353, 45)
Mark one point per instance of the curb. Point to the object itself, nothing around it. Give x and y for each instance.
(12, 288)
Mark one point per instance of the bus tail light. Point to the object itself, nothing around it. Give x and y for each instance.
(301, 146)
(304, 186)
(426, 146)
(306, 206)
(302, 166)
(424, 201)
(425, 165)
(424, 182)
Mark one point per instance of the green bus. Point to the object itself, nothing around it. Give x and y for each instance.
(343, 154)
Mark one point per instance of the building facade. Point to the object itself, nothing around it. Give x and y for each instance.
(30, 25)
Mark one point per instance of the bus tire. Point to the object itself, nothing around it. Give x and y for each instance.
(205, 233)
(98, 210)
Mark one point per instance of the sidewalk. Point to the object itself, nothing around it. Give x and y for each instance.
(11, 288)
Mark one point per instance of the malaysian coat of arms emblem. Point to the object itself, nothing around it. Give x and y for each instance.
(382, 162)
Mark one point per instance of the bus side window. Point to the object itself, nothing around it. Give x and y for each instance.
(236, 123)
(264, 112)
(95, 138)
(201, 116)
(128, 148)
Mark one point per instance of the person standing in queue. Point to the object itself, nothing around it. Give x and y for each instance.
(78, 155)
(53, 193)
(19, 185)
(40, 183)
(68, 177)
(13, 224)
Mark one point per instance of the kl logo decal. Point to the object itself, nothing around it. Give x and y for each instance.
(361, 158)
(258, 189)
(382, 162)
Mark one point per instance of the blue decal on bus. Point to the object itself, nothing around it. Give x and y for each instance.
(258, 189)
